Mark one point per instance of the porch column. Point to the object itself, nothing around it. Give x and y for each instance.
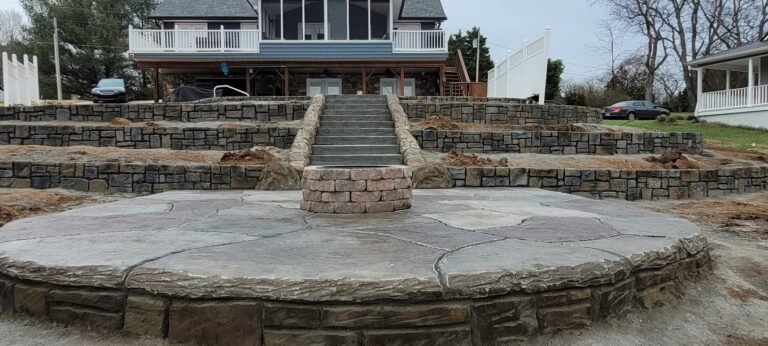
(286, 82)
(699, 89)
(155, 84)
(402, 81)
(751, 83)
(727, 79)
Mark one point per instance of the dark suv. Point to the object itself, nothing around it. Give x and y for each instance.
(632, 110)
(110, 90)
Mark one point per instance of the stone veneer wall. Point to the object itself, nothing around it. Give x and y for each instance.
(559, 143)
(409, 146)
(176, 138)
(127, 177)
(183, 112)
(301, 150)
(356, 190)
(500, 113)
(621, 183)
(488, 321)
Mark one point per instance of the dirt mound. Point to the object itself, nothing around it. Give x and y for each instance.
(251, 156)
(742, 217)
(121, 122)
(18, 205)
(439, 123)
(674, 159)
(458, 159)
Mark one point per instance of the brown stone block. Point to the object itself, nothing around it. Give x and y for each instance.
(362, 197)
(650, 278)
(29, 299)
(215, 323)
(298, 316)
(659, 296)
(381, 185)
(312, 174)
(322, 208)
(334, 174)
(145, 316)
(108, 301)
(322, 185)
(503, 321)
(379, 207)
(393, 316)
(309, 337)
(89, 319)
(351, 185)
(565, 317)
(453, 336)
(395, 195)
(614, 300)
(367, 174)
(564, 297)
(338, 197)
(6, 296)
(313, 196)
(349, 208)
(393, 173)
(403, 183)
(403, 204)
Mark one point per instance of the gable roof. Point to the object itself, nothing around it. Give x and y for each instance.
(744, 51)
(422, 9)
(235, 9)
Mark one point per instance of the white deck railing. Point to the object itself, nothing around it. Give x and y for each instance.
(419, 41)
(186, 41)
(734, 98)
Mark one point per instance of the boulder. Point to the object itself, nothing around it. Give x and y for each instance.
(432, 176)
(279, 176)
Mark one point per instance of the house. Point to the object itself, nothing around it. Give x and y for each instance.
(297, 47)
(733, 85)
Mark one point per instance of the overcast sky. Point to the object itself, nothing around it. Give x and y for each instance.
(507, 23)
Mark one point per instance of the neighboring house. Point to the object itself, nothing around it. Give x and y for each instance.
(741, 96)
(298, 47)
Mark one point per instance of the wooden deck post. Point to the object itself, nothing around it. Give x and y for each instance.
(155, 84)
(442, 80)
(248, 81)
(286, 86)
(365, 82)
(402, 81)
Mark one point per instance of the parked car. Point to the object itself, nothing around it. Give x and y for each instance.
(110, 90)
(632, 110)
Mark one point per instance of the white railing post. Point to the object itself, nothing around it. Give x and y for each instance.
(221, 43)
(8, 95)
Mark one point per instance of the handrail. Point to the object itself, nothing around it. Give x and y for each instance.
(228, 87)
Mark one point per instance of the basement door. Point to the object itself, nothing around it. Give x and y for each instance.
(325, 86)
(391, 86)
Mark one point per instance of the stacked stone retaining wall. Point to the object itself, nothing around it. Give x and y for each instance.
(558, 143)
(272, 111)
(501, 113)
(621, 183)
(176, 138)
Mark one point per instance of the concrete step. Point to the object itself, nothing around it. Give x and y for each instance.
(356, 160)
(355, 149)
(354, 132)
(380, 108)
(327, 117)
(352, 140)
(357, 124)
(344, 111)
(355, 97)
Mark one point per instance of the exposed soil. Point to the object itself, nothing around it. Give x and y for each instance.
(254, 156)
(21, 203)
(674, 159)
(456, 159)
(151, 124)
(121, 122)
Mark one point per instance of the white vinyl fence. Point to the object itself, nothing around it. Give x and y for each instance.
(523, 73)
(20, 81)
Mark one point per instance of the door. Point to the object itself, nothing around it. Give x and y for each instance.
(325, 86)
(391, 86)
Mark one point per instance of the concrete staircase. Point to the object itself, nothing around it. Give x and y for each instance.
(356, 131)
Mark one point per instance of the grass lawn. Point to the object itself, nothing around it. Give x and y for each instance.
(714, 134)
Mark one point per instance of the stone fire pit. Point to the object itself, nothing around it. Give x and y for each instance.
(356, 190)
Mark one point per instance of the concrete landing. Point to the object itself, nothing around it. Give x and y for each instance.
(456, 253)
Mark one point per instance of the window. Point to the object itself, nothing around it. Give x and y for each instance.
(391, 86)
(337, 19)
(358, 19)
(314, 13)
(379, 19)
(293, 26)
(325, 86)
(272, 24)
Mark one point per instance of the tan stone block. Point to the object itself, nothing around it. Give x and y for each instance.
(341, 197)
(367, 174)
(335, 174)
(349, 208)
(381, 185)
(351, 185)
(305, 205)
(145, 316)
(379, 207)
(322, 208)
(395, 195)
(403, 204)
(362, 197)
(313, 196)
(312, 173)
(402, 183)
(393, 173)
(322, 185)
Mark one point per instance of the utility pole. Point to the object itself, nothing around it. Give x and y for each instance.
(477, 62)
(56, 57)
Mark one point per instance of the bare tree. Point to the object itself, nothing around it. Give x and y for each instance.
(608, 46)
(11, 26)
(643, 17)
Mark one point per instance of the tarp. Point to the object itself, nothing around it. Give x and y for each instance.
(190, 93)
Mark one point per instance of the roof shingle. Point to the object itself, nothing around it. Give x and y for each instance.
(421, 9)
(204, 9)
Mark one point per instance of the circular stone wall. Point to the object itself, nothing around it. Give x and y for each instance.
(462, 267)
(353, 190)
